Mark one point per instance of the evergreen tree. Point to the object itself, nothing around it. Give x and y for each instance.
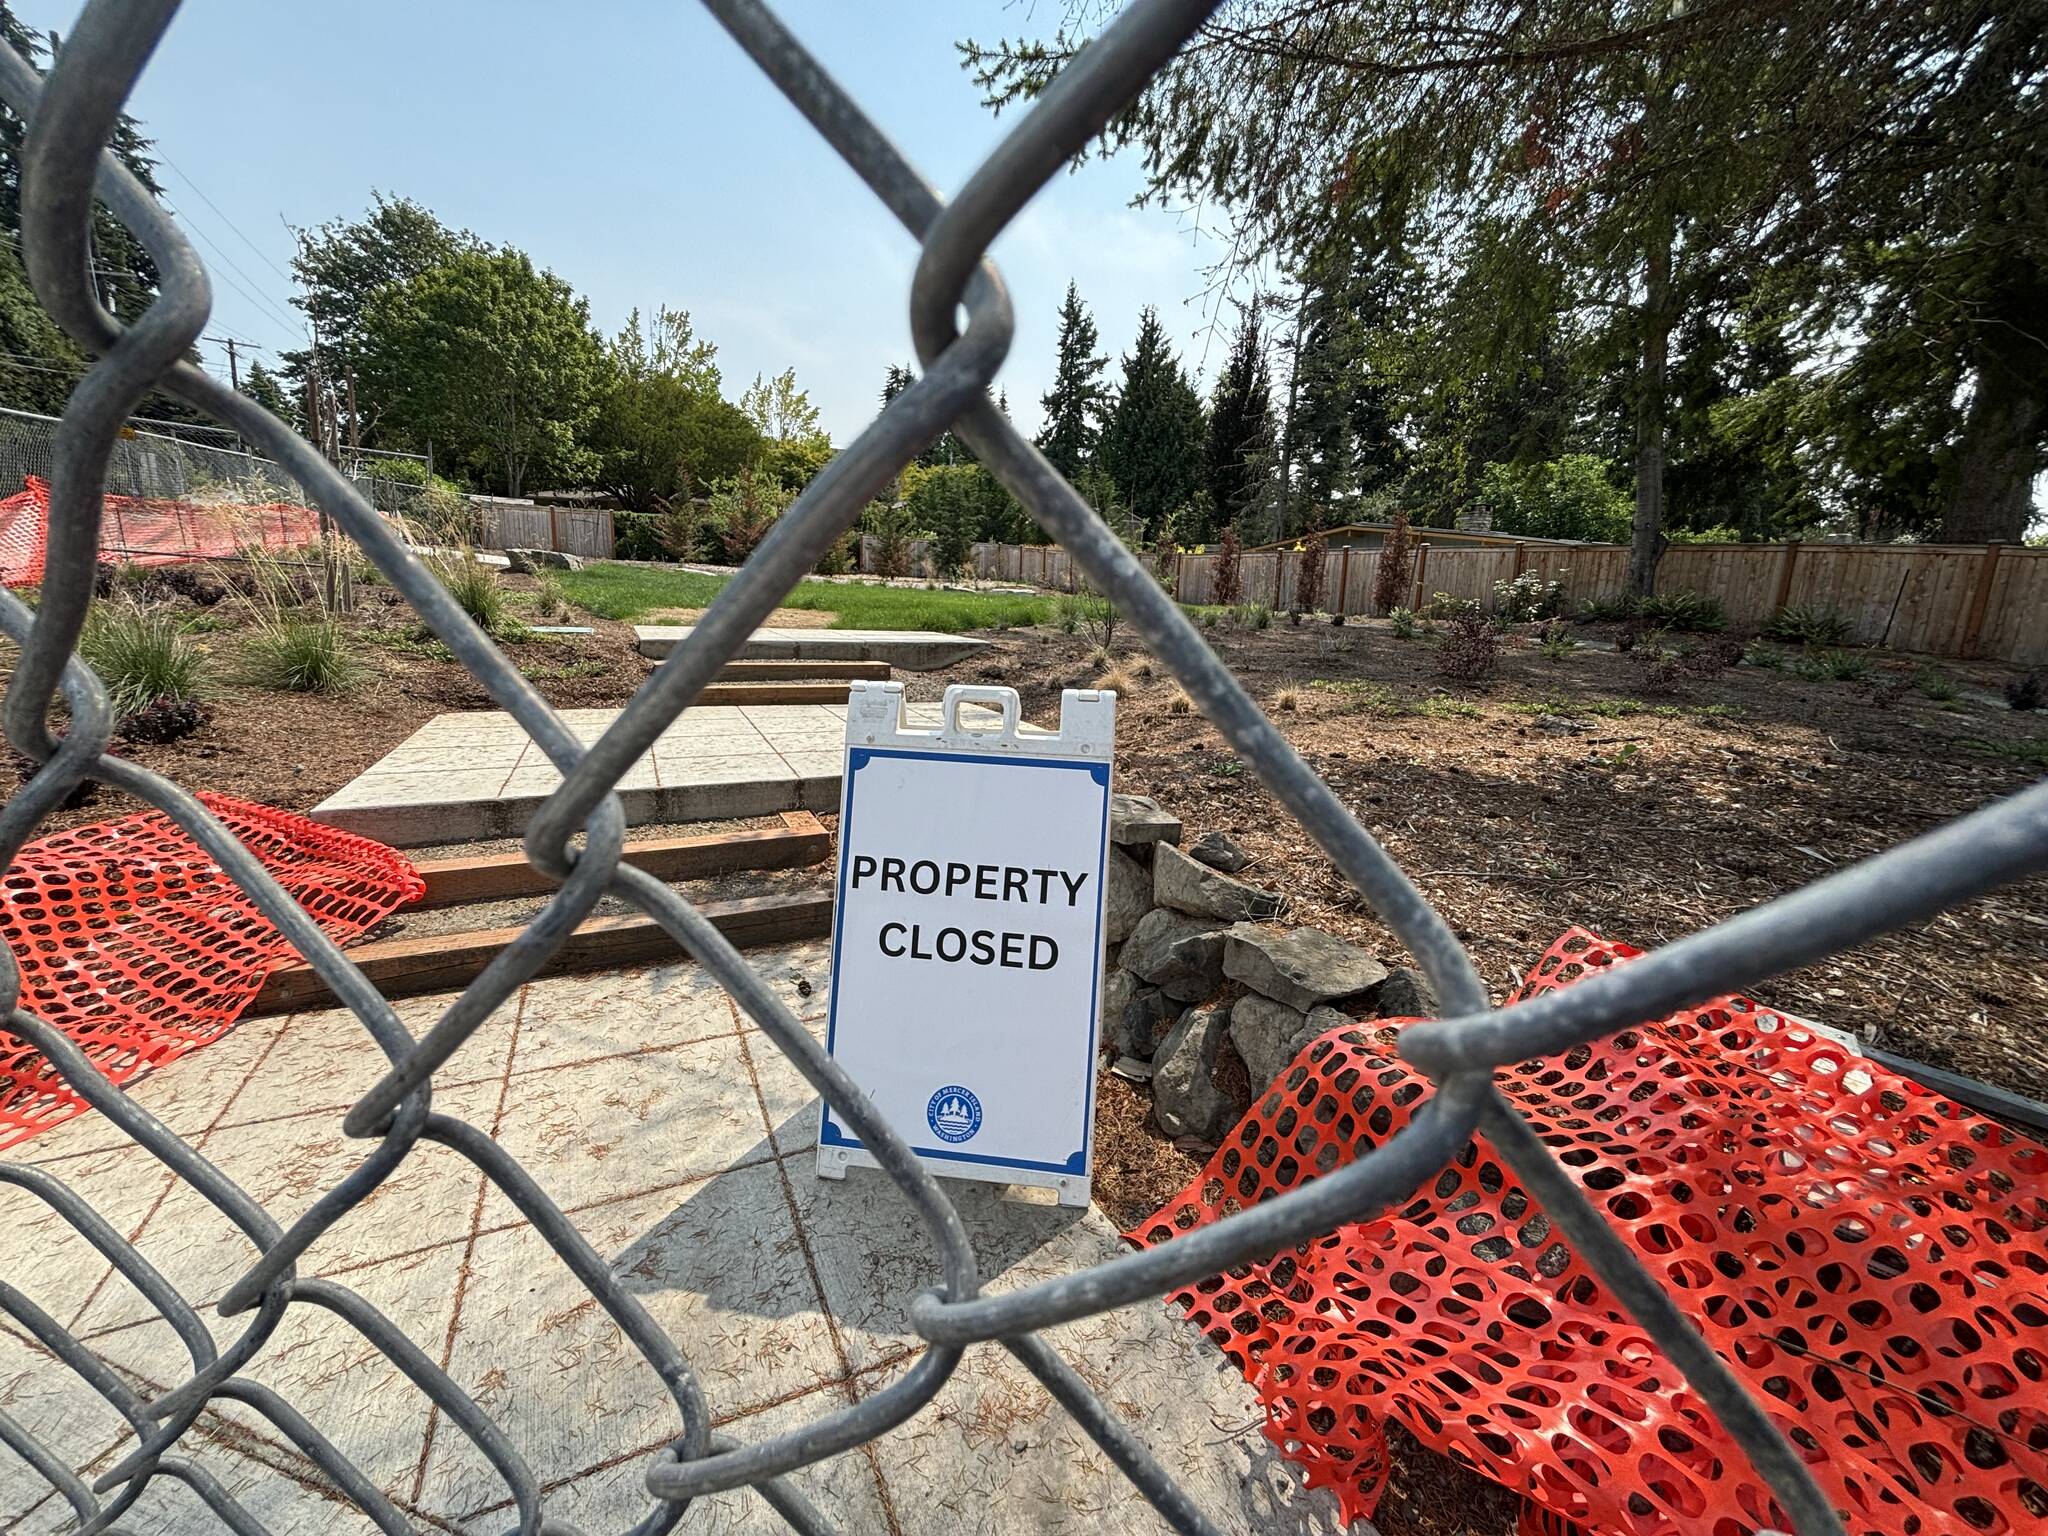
(1237, 452)
(1342, 433)
(1152, 444)
(1075, 404)
(947, 449)
(900, 378)
(262, 386)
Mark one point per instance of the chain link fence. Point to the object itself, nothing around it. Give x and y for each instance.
(576, 838)
(161, 461)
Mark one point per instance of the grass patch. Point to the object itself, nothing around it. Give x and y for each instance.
(1375, 699)
(2030, 750)
(141, 655)
(294, 654)
(1441, 706)
(625, 593)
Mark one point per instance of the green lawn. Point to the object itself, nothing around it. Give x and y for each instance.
(628, 592)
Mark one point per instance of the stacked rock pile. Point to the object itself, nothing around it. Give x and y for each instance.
(1202, 977)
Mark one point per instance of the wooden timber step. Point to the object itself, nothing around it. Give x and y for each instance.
(773, 693)
(449, 961)
(800, 671)
(801, 839)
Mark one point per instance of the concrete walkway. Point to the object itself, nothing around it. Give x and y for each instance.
(476, 774)
(679, 1142)
(915, 650)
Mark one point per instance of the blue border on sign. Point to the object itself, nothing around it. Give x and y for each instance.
(857, 758)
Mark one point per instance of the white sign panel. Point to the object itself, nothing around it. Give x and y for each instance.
(967, 935)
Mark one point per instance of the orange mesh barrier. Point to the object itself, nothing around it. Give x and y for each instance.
(140, 948)
(139, 530)
(1869, 1258)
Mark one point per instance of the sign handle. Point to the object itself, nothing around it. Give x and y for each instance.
(1004, 699)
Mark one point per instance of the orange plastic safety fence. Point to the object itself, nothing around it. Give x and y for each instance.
(140, 530)
(140, 948)
(1870, 1258)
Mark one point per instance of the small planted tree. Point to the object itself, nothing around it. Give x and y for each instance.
(1228, 585)
(892, 538)
(1308, 584)
(1390, 580)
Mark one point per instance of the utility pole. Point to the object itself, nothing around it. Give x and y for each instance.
(234, 360)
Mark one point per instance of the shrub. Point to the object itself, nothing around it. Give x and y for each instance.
(1403, 620)
(1390, 575)
(1066, 612)
(2028, 691)
(164, 720)
(838, 558)
(1684, 610)
(1471, 648)
(1625, 638)
(1527, 598)
(891, 528)
(1832, 666)
(1573, 497)
(1255, 616)
(1558, 642)
(1761, 653)
(1616, 608)
(141, 655)
(1315, 565)
(294, 654)
(1810, 624)
(1287, 699)
(1658, 666)
(1936, 684)
(741, 510)
(1442, 605)
(1227, 583)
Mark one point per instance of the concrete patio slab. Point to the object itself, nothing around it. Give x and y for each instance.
(462, 777)
(915, 650)
(675, 1138)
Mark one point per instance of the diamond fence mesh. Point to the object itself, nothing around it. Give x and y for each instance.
(576, 838)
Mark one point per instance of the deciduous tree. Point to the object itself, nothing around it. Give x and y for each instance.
(490, 357)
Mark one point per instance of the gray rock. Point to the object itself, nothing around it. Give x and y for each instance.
(1179, 882)
(1269, 1035)
(1405, 994)
(1137, 1028)
(1185, 1098)
(527, 561)
(1127, 895)
(1118, 987)
(1300, 967)
(1137, 822)
(1184, 955)
(1563, 724)
(1219, 850)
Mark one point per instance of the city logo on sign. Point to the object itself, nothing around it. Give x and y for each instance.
(954, 1114)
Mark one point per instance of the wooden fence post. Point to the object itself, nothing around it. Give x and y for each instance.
(1421, 565)
(1180, 571)
(1343, 584)
(1521, 554)
(554, 526)
(1784, 580)
(1980, 599)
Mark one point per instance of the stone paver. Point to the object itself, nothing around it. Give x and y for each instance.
(475, 774)
(677, 1139)
(914, 650)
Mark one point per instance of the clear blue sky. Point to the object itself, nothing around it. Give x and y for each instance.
(634, 150)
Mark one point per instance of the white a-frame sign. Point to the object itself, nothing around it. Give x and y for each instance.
(967, 934)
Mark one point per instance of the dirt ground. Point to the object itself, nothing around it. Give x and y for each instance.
(1560, 792)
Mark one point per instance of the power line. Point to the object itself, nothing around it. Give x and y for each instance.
(214, 246)
(201, 195)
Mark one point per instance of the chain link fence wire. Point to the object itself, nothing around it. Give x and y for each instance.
(576, 837)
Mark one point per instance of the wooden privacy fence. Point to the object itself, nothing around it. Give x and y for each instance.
(1969, 600)
(522, 525)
